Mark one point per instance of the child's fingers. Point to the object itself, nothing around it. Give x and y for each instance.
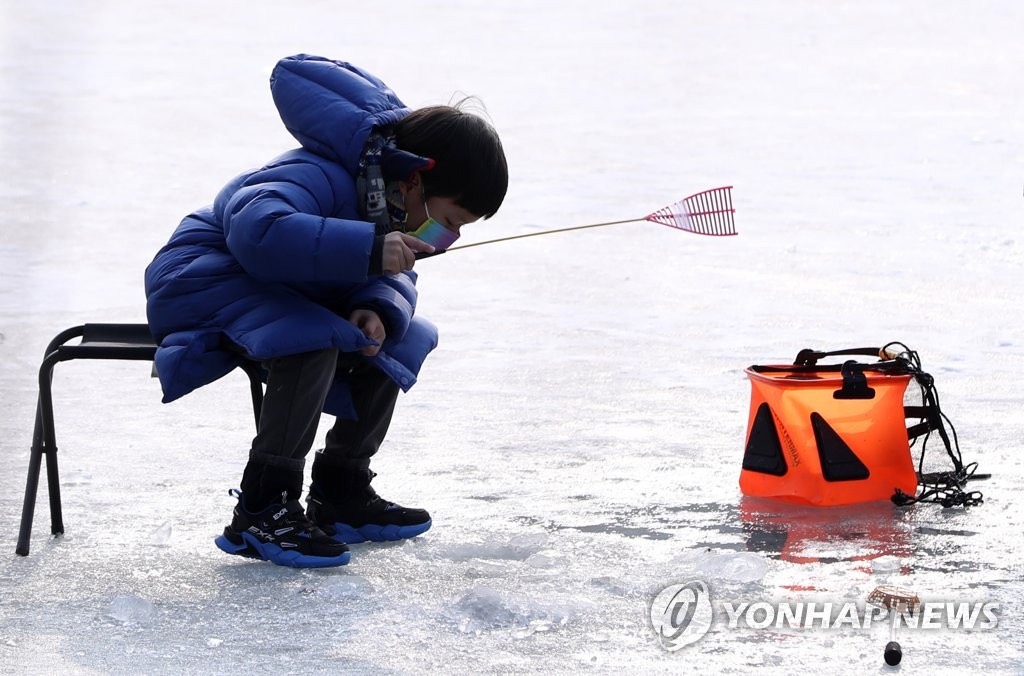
(416, 244)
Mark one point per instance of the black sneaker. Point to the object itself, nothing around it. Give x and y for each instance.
(281, 534)
(366, 516)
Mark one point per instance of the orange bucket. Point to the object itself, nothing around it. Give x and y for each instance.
(827, 435)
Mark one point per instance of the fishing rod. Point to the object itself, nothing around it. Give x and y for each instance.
(709, 212)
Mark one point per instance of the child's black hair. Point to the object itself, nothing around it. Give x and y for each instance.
(469, 162)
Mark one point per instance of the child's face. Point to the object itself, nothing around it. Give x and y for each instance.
(444, 210)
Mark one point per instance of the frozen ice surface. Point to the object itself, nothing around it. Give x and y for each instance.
(346, 588)
(577, 435)
(162, 535)
(515, 548)
(130, 609)
(734, 566)
(483, 608)
(886, 564)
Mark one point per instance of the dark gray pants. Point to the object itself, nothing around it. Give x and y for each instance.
(297, 387)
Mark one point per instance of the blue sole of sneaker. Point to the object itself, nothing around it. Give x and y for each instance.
(265, 551)
(375, 533)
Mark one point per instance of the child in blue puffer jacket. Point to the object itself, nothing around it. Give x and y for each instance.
(305, 265)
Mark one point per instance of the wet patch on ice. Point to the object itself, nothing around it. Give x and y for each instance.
(487, 498)
(653, 522)
(929, 530)
(625, 531)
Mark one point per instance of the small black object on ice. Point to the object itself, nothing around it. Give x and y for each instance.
(893, 653)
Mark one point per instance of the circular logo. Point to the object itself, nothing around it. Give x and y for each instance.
(681, 614)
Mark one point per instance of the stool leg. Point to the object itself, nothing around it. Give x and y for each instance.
(48, 444)
(53, 485)
(44, 442)
(29, 508)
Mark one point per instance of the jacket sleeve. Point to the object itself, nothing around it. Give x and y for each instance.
(277, 225)
(392, 297)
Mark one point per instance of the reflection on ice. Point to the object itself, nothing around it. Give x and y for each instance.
(804, 534)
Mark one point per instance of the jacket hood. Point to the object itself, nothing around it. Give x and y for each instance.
(331, 107)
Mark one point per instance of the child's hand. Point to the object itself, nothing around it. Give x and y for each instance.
(400, 252)
(372, 327)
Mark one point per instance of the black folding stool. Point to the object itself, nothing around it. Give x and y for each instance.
(99, 341)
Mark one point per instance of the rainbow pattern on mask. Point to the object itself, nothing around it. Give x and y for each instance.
(435, 234)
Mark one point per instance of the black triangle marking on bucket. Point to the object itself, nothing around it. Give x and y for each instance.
(764, 450)
(838, 461)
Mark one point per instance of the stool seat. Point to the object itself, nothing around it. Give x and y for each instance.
(105, 341)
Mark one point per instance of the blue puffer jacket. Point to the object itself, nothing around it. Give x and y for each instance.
(276, 265)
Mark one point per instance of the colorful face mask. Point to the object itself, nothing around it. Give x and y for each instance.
(435, 234)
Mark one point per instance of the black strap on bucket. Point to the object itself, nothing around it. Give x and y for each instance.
(855, 383)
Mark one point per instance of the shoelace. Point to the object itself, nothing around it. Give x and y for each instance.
(297, 517)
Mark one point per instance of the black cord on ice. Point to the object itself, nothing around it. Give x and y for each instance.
(944, 488)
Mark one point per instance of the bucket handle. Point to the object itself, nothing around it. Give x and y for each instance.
(809, 357)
